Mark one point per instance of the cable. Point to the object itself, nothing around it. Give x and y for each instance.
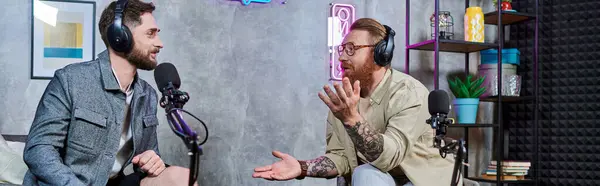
(173, 129)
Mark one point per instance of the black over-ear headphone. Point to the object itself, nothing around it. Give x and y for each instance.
(119, 36)
(384, 50)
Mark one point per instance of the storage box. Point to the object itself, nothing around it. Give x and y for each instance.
(511, 82)
(511, 86)
(509, 55)
(492, 69)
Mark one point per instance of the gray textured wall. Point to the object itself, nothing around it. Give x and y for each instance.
(253, 73)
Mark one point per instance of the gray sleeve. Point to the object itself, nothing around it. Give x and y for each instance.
(47, 136)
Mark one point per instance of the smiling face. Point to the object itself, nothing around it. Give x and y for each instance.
(138, 17)
(146, 43)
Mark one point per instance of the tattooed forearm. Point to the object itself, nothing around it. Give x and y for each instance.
(321, 167)
(366, 140)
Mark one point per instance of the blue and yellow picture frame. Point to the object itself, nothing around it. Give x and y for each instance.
(62, 33)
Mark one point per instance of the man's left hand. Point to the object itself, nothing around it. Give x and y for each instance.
(150, 163)
(343, 104)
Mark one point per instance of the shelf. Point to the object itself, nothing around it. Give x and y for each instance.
(473, 125)
(501, 181)
(508, 98)
(508, 17)
(457, 46)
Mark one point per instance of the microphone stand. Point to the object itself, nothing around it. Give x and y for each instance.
(173, 101)
(440, 122)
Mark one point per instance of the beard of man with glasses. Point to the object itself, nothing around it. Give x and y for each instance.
(359, 64)
(356, 55)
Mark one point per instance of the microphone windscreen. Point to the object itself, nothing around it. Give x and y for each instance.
(438, 102)
(165, 73)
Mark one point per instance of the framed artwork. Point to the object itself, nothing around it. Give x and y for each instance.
(62, 33)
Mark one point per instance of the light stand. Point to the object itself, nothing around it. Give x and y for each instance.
(173, 101)
(440, 123)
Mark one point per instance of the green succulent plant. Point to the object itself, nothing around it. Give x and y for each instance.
(471, 88)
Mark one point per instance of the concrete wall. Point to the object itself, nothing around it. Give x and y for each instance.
(253, 73)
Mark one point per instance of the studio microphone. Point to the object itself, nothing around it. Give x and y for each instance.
(168, 82)
(172, 100)
(439, 108)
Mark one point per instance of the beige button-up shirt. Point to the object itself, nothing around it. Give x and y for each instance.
(397, 110)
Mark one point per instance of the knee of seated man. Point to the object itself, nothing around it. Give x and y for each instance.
(368, 174)
(366, 170)
(173, 176)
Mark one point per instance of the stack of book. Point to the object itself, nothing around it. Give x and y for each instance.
(512, 170)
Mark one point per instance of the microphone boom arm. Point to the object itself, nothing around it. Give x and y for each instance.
(173, 101)
(440, 123)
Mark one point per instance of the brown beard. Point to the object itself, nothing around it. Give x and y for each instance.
(140, 59)
(365, 75)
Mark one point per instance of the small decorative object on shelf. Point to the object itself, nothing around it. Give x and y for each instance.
(506, 5)
(467, 97)
(446, 26)
(474, 25)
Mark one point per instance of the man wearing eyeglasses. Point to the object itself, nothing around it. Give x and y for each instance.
(376, 130)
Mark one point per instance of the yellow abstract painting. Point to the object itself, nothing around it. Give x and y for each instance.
(64, 40)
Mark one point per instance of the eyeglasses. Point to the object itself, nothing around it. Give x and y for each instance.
(350, 48)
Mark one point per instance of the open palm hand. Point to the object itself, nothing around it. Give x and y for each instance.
(285, 169)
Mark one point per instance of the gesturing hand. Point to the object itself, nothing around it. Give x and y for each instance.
(149, 162)
(343, 104)
(285, 169)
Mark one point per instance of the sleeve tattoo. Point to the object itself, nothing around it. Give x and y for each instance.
(321, 167)
(366, 140)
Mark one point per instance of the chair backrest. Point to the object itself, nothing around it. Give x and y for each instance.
(15, 138)
(12, 167)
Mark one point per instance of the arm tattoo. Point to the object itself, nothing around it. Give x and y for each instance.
(321, 167)
(366, 140)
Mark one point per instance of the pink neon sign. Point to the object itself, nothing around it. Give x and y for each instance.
(342, 16)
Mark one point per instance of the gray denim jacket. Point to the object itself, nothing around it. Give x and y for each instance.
(74, 137)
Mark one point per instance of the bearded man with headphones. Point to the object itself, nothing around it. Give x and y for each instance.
(96, 121)
(376, 129)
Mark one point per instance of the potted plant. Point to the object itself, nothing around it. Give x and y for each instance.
(506, 5)
(467, 97)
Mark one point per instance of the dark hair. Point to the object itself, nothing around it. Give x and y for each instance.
(131, 16)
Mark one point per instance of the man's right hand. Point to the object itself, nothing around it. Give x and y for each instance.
(286, 169)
